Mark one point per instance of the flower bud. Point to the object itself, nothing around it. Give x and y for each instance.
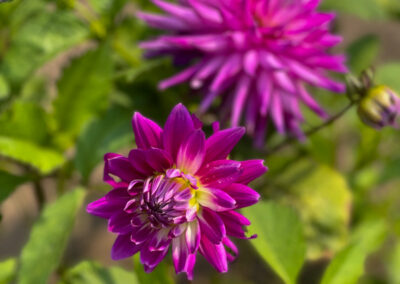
(380, 107)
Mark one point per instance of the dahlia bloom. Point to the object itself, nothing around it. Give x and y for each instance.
(258, 55)
(178, 190)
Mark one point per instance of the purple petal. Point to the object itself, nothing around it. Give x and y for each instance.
(233, 250)
(180, 253)
(191, 153)
(252, 169)
(151, 259)
(105, 208)
(119, 166)
(193, 236)
(159, 160)
(221, 143)
(160, 240)
(123, 247)
(178, 127)
(120, 223)
(215, 199)
(243, 195)
(138, 160)
(215, 254)
(211, 225)
(220, 173)
(141, 234)
(234, 223)
(147, 132)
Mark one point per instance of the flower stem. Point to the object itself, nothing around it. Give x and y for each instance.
(290, 140)
(38, 189)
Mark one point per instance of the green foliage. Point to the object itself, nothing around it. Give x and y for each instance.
(48, 238)
(160, 275)
(323, 199)
(362, 53)
(280, 240)
(8, 184)
(4, 88)
(368, 9)
(26, 121)
(45, 160)
(107, 134)
(7, 270)
(348, 265)
(38, 40)
(389, 74)
(83, 91)
(94, 273)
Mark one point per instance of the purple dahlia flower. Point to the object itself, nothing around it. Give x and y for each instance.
(259, 55)
(178, 190)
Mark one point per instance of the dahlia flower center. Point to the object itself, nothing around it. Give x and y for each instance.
(167, 198)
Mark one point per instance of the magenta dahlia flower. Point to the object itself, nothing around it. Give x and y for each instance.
(178, 190)
(258, 55)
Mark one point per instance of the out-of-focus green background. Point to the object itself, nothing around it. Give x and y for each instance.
(71, 75)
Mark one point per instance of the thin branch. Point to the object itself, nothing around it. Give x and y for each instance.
(290, 140)
(39, 193)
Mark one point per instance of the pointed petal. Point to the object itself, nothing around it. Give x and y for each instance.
(178, 127)
(215, 254)
(211, 225)
(221, 143)
(191, 153)
(242, 194)
(215, 199)
(220, 173)
(123, 247)
(193, 236)
(252, 169)
(147, 132)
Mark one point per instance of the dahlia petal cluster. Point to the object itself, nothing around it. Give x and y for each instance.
(380, 107)
(178, 190)
(257, 55)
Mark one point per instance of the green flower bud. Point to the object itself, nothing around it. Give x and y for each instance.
(379, 107)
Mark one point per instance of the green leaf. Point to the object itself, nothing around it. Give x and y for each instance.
(348, 265)
(362, 53)
(8, 183)
(389, 75)
(83, 91)
(48, 238)
(105, 134)
(26, 121)
(162, 274)
(369, 9)
(7, 270)
(280, 239)
(4, 88)
(93, 273)
(38, 40)
(44, 159)
(323, 199)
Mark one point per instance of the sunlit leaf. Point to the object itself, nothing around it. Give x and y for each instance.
(280, 240)
(48, 239)
(323, 199)
(7, 270)
(8, 183)
(83, 91)
(348, 265)
(93, 273)
(26, 121)
(38, 40)
(43, 159)
(106, 134)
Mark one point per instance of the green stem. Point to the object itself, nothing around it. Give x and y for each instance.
(290, 140)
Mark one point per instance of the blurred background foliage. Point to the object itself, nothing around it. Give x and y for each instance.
(71, 75)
